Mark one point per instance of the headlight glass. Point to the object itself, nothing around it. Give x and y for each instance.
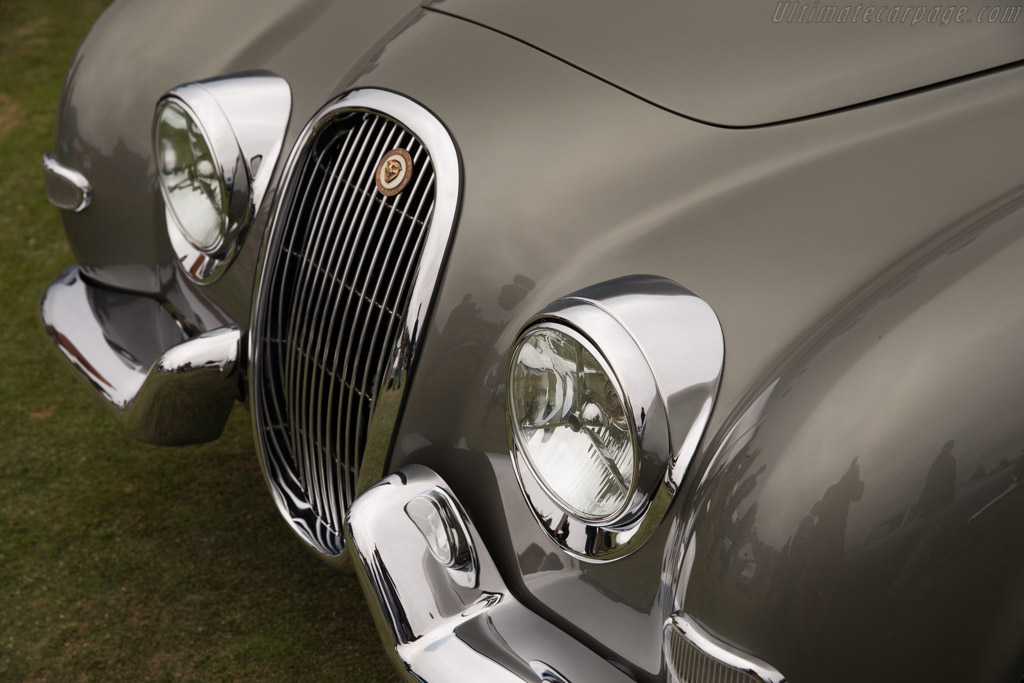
(190, 176)
(571, 422)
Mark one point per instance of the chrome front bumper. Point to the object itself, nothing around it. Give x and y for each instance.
(438, 623)
(452, 624)
(164, 387)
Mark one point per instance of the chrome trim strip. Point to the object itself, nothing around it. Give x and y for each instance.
(244, 119)
(163, 388)
(715, 649)
(63, 180)
(435, 625)
(665, 346)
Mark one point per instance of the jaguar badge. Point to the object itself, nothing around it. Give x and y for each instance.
(394, 172)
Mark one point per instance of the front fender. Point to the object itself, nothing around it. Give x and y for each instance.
(136, 52)
(861, 519)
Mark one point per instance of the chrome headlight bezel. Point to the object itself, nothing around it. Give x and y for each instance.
(665, 347)
(243, 120)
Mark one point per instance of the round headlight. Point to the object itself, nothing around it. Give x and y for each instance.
(215, 144)
(608, 392)
(190, 176)
(571, 423)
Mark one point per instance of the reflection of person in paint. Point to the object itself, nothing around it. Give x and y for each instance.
(816, 552)
(829, 536)
(939, 491)
(562, 530)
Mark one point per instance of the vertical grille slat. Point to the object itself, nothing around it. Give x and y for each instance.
(352, 445)
(403, 279)
(273, 352)
(362, 166)
(350, 277)
(341, 196)
(328, 181)
(341, 215)
(336, 280)
(297, 251)
(401, 232)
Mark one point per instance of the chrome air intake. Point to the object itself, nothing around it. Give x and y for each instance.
(350, 266)
(694, 655)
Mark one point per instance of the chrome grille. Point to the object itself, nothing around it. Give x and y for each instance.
(339, 271)
(690, 665)
(693, 655)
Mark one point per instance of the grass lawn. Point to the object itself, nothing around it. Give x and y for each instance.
(120, 560)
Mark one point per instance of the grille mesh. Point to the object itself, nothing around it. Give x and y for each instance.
(689, 664)
(335, 285)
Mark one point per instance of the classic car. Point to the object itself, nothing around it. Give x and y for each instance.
(664, 341)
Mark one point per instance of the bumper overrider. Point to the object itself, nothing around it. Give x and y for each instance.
(451, 618)
(163, 387)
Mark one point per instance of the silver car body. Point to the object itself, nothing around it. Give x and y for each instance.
(845, 196)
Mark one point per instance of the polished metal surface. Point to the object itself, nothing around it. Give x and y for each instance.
(342, 296)
(436, 627)
(693, 655)
(163, 387)
(665, 346)
(546, 673)
(66, 188)
(244, 119)
(772, 226)
(435, 514)
(425, 276)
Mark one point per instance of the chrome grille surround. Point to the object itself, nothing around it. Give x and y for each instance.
(343, 293)
(693, 655)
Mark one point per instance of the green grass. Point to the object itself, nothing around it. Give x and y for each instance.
(120, 560)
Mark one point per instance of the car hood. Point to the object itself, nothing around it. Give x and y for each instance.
(753, 62)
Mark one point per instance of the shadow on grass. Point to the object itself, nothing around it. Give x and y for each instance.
(127, 561)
